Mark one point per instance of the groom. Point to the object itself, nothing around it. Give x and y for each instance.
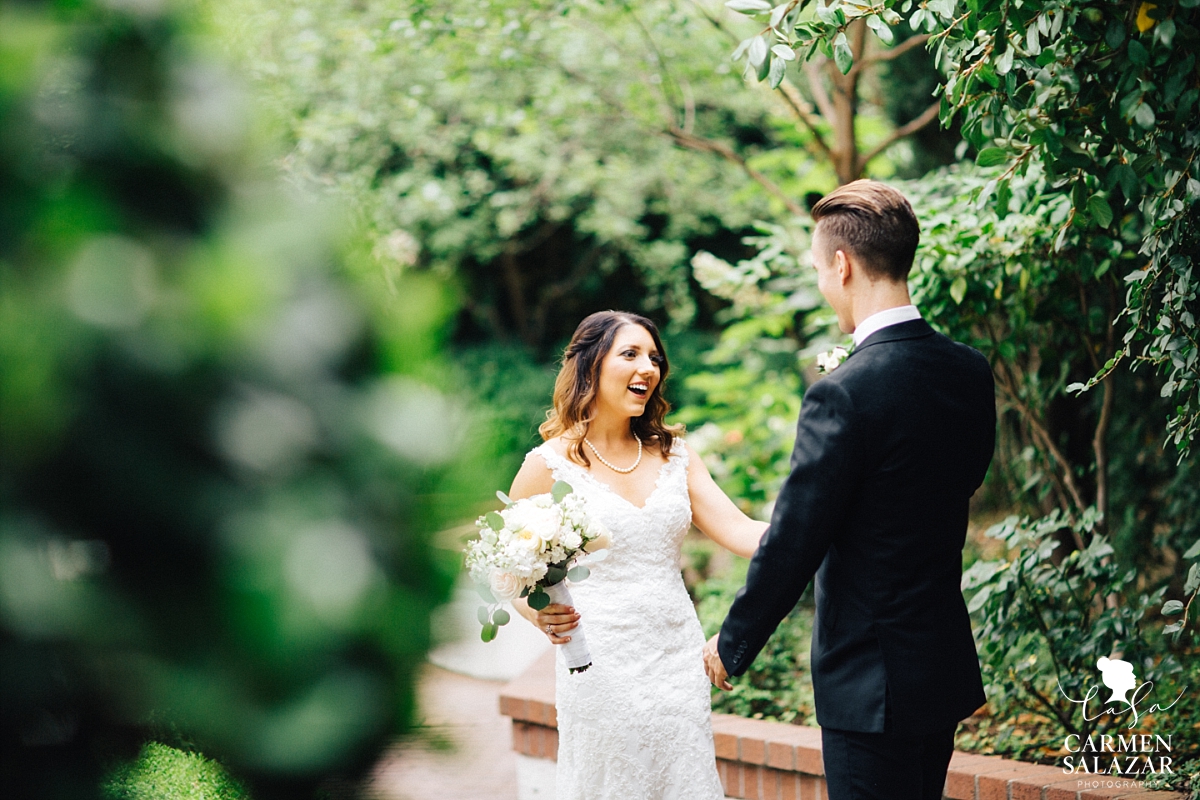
(889, 449)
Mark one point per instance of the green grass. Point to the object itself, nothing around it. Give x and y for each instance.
(164, 773)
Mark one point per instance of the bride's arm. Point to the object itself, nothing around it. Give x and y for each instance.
(716, 515)
(534, 478)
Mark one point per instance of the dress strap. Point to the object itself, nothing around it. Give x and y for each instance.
(562, 468)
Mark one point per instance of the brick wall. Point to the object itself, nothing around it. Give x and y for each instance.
(761, 760)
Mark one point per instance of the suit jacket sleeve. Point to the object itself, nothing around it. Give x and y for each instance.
(810, 509)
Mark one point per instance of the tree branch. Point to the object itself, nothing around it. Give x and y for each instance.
(898, 50)
(692, 142)
(1041, 433)
(1063, 474)
(804, 112)
(813, 70)
(716, 23)
(907, 129)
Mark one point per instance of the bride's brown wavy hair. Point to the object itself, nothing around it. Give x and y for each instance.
(578, 379)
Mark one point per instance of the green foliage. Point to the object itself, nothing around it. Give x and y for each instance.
(1106, 100)
(747, 393)
(223, 446)
(1103, 96)
(777, 686)
(164, 773)
(1186, 779)
(553, 159)
(1047, 617)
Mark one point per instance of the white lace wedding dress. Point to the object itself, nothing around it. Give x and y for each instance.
(636, 725)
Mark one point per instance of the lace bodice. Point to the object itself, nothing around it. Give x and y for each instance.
(636, 725)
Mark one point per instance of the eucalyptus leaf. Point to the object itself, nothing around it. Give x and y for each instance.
(494, 520)
(943, 8)
(777, 72)
(489, 632)
(748, 6)
(784, 52)
(538, 599)
(504, 498)
(501, 617)
(757, 53)
(483, 616)
(1004, 62)
(881, 29)
(842, 55)
(578, 573)
(764, 69)
(485, 592)
(777, 15)
(1193, 580)
(560, 490)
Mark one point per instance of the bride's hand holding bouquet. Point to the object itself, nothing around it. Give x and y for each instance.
(528, 550)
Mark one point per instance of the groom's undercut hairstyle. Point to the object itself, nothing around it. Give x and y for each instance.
(872, 221)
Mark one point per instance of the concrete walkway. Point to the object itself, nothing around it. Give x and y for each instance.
(467, 752)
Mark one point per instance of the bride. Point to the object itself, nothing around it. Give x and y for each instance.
(637, 723)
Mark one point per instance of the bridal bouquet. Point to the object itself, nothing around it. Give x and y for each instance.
(528, 550)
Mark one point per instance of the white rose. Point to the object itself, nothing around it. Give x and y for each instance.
(534, 526)
(505, 586)
(828, 362)
(570, 539)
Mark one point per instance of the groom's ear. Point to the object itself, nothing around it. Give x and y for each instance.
(844, 265)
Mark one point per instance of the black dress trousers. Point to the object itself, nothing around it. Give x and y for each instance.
(886, 766)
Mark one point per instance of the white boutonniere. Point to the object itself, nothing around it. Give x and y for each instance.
(829, 361)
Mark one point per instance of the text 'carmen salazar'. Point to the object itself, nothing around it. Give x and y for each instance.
(1137, 754)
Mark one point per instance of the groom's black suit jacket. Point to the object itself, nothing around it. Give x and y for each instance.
(890, 447)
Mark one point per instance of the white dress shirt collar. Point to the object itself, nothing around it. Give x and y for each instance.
(882, 319)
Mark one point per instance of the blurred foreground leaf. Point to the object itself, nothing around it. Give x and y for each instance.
(222, 447)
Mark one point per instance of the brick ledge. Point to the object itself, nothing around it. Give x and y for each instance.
(773, 761)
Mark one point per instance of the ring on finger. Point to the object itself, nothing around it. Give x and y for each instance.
(549, 629)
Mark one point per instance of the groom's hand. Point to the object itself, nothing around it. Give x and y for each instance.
(714, 666)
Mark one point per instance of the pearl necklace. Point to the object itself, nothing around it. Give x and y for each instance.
(622, 470)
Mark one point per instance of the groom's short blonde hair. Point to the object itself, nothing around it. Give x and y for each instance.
(872, 221)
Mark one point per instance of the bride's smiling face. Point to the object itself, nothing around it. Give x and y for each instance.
(629, 373)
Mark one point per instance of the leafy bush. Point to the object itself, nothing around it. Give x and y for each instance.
(1045, 618)
(164, 773)
(777, 686)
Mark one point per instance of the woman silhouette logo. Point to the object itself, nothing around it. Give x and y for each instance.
(1118, 676)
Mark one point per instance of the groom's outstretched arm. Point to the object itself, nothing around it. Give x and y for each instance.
(811, 507)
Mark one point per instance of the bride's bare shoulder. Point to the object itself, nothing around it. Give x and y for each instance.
(535, 475)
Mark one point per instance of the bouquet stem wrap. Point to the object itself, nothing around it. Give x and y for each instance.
(575, 651)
